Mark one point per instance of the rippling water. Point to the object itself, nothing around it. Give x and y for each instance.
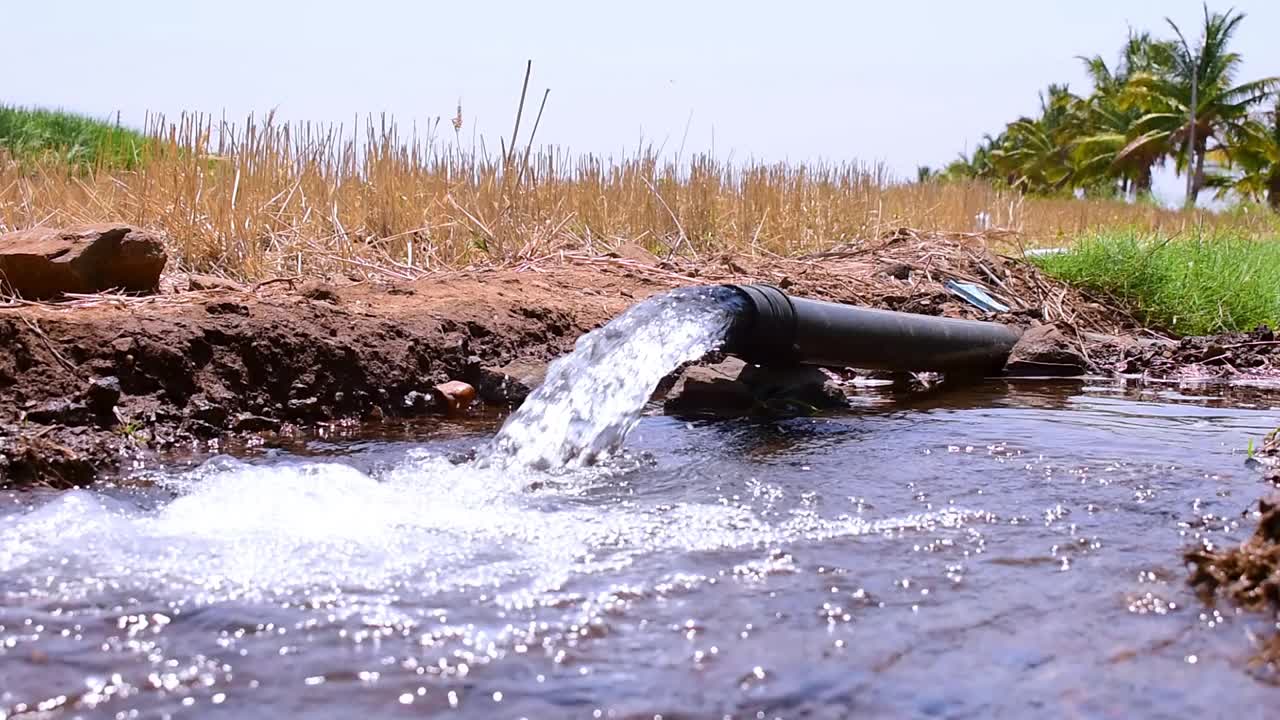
(1005, 550)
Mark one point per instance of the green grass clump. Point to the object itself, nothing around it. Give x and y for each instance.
(75, 140)
(1188, 285)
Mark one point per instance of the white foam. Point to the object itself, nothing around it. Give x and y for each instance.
(325, 532)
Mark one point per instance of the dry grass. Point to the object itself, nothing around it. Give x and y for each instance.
(265, 199)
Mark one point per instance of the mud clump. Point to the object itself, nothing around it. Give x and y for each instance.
(1250, 354)
(1249, 574)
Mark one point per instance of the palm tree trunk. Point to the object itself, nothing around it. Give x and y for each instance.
(1273, 189)
(1197, 180)
(1142, 185)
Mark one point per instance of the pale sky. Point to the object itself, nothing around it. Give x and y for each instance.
(905, 82)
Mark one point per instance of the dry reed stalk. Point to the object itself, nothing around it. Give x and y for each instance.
(266, 199)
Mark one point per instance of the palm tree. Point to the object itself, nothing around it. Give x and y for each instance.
(1109, 121)
(1191, 100)
(974, 165)
(1034, 154)
(1254, 154)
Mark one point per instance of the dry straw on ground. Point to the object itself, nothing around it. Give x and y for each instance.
(267, 199)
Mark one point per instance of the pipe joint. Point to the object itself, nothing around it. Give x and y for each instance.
(764, 333)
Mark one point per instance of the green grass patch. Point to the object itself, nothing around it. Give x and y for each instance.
(1188, 285)
(35, 135)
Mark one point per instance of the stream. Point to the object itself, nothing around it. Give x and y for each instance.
(994, 550)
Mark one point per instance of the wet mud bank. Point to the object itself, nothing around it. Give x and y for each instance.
(93, 385)
(85, 389)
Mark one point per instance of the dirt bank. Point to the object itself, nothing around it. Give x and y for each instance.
(88, 384)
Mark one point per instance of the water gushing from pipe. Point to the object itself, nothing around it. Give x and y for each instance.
(593, 397)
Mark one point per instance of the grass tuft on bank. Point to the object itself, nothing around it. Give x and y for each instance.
(78, 141)
(1188, 285)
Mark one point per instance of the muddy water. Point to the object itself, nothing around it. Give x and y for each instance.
(1002, 551)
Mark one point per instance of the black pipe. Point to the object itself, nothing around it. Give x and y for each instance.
(777, 329)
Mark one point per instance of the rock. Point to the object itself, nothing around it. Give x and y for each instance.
(415, 401)
(1270, 447)
(226, 307)
(44, 263)
(511, 383)
(102, 396)
(247, 422)
(208, 413)
(32, 459)
(453, 396)
(305, 407)
(637, 253)
(899, 271)
(798, 388)
(319, 291)
(60, 412)
(213, 282)
(1044, 350)
(711, 388)
(733, 387)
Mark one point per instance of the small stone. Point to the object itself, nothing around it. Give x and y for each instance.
(418, 401)
(246, 422)
(103, 395)
(304, 406)
(319, 291)
(226, 307)
(213, 282)
(208, 413)
(899, 271)
(454, 396)
(635, 253)
(61, 412)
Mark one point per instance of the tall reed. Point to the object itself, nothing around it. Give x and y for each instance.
(264, 198)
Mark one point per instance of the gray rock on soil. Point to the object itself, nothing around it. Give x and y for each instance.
(196, 281)
(1044, 350)
(733, 387)
(511, 383)
(44, 263)
(711, 388)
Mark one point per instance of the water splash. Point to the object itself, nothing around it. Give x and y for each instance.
(592, 398)
(326, 535)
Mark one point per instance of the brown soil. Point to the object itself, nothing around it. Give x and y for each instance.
(89, 383)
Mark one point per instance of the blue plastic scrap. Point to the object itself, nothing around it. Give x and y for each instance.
(975, 296)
